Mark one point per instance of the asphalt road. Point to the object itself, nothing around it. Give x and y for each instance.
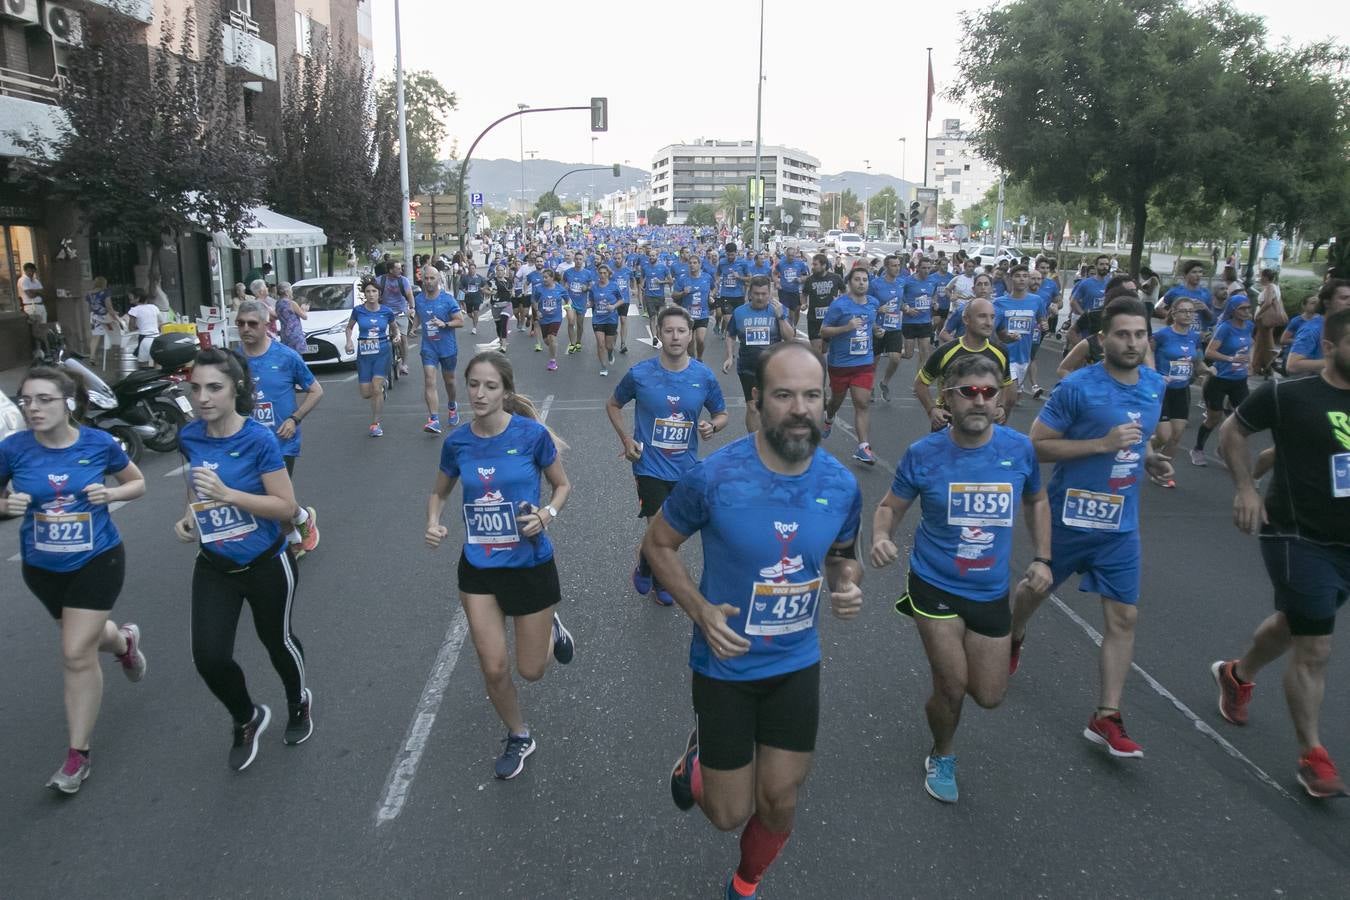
(394, 795)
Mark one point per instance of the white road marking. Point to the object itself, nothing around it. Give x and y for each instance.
(178, 471)
(1200, 725)
(16, 557)
(399, 784)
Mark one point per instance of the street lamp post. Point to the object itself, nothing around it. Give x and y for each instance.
(402, 142)
(867, 192)
(522, 107)
(593, 140)
(759, 119)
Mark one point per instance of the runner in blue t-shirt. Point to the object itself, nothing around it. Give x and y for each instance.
(1095, 428)
(849, 329)
(656, 279)
(969, 479)
(506, 565)
(921, 292)
(549, 299)
(732, 282)
(279, 375)
(888, 289)
(694, 291)
(779, 518)
(376, 326)
(439, 315)
(238, 497)
(607, 297)
(1192, 273)
(1230, 351)
(1305, 352)
(578, 280)
(1178, 357)
(671, 392)
(396, 292)
(622, 276)
(471, 285)
(757, 326)
(1020, 318)
(1088, 294)
(53, 475)
(792, 271)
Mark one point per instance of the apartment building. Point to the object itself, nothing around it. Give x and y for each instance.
(954, 167)
(685, 174)
(262, 38)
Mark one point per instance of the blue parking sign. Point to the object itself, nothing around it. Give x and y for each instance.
(475, 200)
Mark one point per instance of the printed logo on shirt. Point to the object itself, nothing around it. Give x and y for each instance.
(57, 482)
(973, 549)
(786, 565)
(1340, 427)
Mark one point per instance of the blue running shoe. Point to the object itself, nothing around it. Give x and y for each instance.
(433, 425)
(512, 760)
(376, 430)
(452, 416)
(940, 780)
(663, 596)
(826, 429)
(564, 648)
(641, 583)
(682, 774)
(864, 454)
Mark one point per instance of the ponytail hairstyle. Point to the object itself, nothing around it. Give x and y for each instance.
(513, 403)
(70, 383)
(236, 370)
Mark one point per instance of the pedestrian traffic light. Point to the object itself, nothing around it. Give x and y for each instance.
(914, 214)
(984, 222)
(616, 170)
(599, 114)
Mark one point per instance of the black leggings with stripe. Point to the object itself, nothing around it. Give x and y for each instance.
(217, 599)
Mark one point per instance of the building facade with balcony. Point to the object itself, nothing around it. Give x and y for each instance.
(626, 208)
(959, 173)
(686, 174)
(262, 38)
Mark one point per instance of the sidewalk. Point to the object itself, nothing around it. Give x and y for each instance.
(11, 379)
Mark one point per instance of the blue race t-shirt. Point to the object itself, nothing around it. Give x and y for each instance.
(699, 288)
(1089, 292)
(1021, 320)
(550, 300)
(443, 307)
(665, 420)
(578, 284)
(757, 330)
(605, 300)
(851, 348)
(1200, 295)
(790, 275)
(1308, 340)
(654, 275)
(920, 295)
(472, 285)
(277, 374)
(61, 529)
(240, 460)
(968, 504)
(1233, 340)
(1174, 356)
(765, 538)
(372, 329)
(888, 295)
(729, 284)
(1100, 492)
(622, 276)
(499, 474)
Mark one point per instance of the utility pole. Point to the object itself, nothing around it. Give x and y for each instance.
(402, 141)
(521, 121)
(926, 117)
(998, 219)
(759, 121)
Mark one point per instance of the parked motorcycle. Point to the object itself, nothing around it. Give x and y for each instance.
(129, 425)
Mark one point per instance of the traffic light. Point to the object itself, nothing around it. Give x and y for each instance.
(984, 222)
(914, 214)
(599, 114)
(616, 170)
(413, 206)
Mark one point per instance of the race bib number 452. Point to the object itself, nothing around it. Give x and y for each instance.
(782, 608)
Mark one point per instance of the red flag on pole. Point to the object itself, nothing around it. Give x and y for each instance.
(930, 89)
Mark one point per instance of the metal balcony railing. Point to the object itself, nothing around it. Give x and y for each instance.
(25, 85)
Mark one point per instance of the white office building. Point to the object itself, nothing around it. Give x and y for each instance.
(685, 174)
(955, 169)
(625, 208)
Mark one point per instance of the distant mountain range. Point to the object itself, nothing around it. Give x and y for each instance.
(499, 179)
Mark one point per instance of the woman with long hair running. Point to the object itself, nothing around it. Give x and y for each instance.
(239, 507)
(53, 475)
(506, 567)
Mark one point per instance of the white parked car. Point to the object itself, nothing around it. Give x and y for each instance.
(330, 302)
(850, 243)
(988, 254)
(830, 237)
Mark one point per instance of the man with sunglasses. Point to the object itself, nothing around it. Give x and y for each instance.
(1095, 428)
(968, 479)
(978, 318)
(278, 374)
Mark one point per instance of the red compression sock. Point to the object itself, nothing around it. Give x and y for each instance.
(759, 848)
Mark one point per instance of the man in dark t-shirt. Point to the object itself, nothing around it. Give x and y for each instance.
(818, 291)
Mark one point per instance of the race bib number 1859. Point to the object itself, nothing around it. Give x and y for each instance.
(980, 505)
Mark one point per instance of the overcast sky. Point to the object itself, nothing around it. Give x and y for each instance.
(684, 79)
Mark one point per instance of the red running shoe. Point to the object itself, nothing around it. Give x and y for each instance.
(1109, 731)
(1317, 774)
(1233, 694)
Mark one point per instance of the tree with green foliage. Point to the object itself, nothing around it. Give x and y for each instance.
(153, 144)
(1104, 101)
(701, 214)
(547, 202)
(733, 202)
(882, 205)
(426, 103)
(656, 215)
(850, 207)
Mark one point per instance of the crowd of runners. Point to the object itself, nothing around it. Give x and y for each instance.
(780, 520)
